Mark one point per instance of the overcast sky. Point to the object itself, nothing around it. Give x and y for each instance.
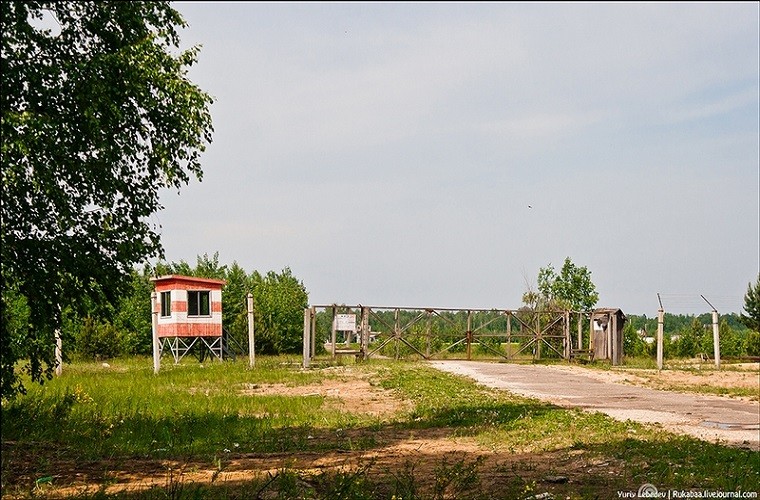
(390, 153)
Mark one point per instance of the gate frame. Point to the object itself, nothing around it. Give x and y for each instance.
(538, 333)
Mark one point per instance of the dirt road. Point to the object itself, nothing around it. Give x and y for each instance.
(712, 418)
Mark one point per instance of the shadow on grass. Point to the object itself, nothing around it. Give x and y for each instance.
(619, 465)
(683, 463)
(207, 434)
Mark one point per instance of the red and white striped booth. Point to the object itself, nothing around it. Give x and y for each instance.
(188, 306)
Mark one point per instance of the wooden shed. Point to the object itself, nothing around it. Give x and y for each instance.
(607, 340)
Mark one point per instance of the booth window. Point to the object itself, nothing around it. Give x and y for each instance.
(198, 303)
(166, 304)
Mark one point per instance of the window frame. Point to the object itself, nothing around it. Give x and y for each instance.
(195, 307)
(166, 304)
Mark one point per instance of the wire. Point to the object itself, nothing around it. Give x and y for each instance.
(695, 302)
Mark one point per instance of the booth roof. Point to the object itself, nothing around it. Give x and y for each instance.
(188, 279)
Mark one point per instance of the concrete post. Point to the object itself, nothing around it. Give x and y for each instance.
(156, 341)
(251, 332)
(660, 330)
(306, 336)
(333, 332)
(716, 338)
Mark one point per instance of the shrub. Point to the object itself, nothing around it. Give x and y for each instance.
(100, 340)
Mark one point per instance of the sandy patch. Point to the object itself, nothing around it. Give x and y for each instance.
(348, 394)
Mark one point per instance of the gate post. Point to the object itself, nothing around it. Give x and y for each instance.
(469, 335)
(313, 339)
(427, 333)
(509, 335)
(364, 346)
(568, 339)
(537, 356)
(616, 344)
(333, 332)
(396, 333)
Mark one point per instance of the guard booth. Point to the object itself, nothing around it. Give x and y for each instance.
(607, 340)
(189, 314)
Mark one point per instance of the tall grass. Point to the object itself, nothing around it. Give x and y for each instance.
(188, 409)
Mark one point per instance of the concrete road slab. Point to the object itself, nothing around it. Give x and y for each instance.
(719, 419)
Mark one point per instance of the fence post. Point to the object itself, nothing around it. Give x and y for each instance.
(660, 328)
(716, 338)
(306, 336)
(156, 344)
(251, 345)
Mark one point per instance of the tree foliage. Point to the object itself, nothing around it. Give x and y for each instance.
(97, 116)
(571, 289)
(279, 301)
(752, 306)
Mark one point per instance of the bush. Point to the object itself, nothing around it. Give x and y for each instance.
(752, 343)
(100, 340)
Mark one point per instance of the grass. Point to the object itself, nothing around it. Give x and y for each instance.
(101, 420)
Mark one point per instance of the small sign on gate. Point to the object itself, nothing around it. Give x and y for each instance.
(345, 322)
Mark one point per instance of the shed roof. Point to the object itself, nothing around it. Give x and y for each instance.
(188, 279)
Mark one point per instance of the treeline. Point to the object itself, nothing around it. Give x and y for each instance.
(689, 336)
(124, 326)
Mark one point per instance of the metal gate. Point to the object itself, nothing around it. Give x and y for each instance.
(441, 333)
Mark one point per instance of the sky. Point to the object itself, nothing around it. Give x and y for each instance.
(440, 154)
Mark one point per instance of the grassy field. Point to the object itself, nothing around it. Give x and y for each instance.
(378, 429)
